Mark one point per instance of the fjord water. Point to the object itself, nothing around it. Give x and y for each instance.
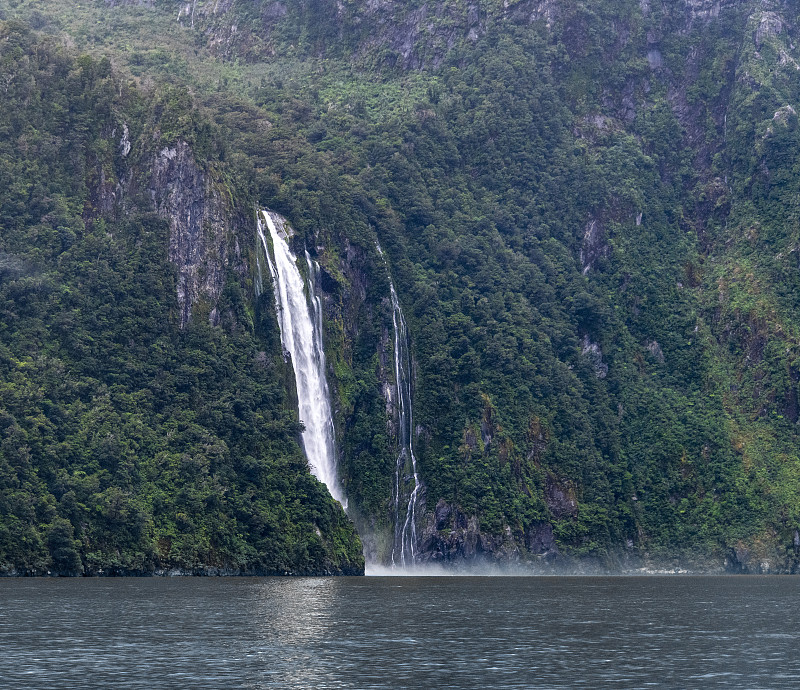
(402, 632)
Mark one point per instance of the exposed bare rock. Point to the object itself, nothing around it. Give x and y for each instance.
(144, 3)
(654, 58)
(705, 9)
(594, 245)
(423, 36)
(783, 114)
(200, 238)
(594, 354)
(560, 498)
(532, 11)
(442, 514)
(196, 9)
(655, 349)
(125, 141)
(541, 541)
(770, 24)
(452, 538)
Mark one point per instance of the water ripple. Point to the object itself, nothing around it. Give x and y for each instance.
(368, 632)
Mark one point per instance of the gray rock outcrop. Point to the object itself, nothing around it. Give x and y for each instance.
(201, 243)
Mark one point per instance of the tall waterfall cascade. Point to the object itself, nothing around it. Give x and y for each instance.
(405, 526)
(300, 320)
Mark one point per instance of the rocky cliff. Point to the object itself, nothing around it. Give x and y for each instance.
(204, 229)
(205, 221)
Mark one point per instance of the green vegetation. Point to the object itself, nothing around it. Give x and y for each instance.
(129, 444)
(593, 233)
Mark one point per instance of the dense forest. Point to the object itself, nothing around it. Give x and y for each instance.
(130, 444)
(589, 211)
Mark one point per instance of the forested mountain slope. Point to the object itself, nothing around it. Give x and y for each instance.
(129, 443)
(589, 213)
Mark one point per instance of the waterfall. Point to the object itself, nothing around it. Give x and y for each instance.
(405, 537)
(300, 321)
(405, 527)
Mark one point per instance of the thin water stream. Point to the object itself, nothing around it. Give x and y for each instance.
(299, 314)
(404, 547)
(405, 529)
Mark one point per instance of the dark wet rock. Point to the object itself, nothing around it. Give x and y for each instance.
(442, 514)
(736, 560)
(560, 498)
(540, 540)
(452, 538)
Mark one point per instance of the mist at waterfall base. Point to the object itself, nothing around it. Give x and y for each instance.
(356, 632)
(480, 569)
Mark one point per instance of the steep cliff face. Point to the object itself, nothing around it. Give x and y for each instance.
(451, 538)
(205, 221)
(706, 94)
(408, 35)
(358, 324)
(203, 239)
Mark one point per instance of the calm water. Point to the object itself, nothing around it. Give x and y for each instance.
(382, 631)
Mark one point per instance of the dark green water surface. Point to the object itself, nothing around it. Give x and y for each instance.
(401, 632)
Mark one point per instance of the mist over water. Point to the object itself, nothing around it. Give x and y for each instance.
(521, 570)
(438, 570)
(465, 632)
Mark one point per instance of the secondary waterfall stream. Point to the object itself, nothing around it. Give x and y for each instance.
(405, 534)
(300, 321)
(405, 526)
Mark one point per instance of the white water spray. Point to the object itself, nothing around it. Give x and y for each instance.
(300, 321)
